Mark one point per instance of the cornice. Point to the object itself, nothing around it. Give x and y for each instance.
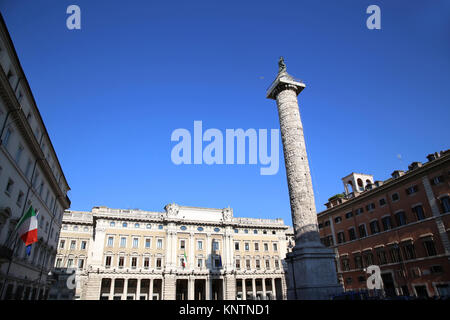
(394, 183)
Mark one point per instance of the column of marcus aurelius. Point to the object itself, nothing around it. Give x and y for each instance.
(311, 266)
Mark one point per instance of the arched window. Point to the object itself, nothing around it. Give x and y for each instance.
(360, 184)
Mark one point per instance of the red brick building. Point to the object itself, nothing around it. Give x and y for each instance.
(401, 224)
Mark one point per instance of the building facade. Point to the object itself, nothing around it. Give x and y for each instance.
(30, 175)
(401, 225)
(180, 253)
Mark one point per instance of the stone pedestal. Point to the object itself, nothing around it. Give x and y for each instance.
(311, 274)
(311, 266)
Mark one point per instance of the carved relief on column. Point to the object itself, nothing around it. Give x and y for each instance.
(301, 193)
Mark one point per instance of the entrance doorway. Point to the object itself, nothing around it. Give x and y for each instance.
(388, 284)
(182, 289)
(199, 289)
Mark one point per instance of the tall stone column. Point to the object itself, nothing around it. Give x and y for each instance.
(111, 291)
(311, 267)
(150, 291)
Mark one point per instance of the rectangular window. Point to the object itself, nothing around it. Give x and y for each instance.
(69, 263)
(374, 227)
(121, 262)
(61, 244)
(409, 251)
(7, 136)
(247, 246)
(395, 197)
(351, 234)
(58, 262)
(256, 246)
(20, 199)
(146, 262)
(236, 246)
(110, 241)
(216, 263)
(83, 245)
(418, 210)
(182, 244)
(358, 261)
(200, 245)
(275, 247)
(199, 263)
(81, 263)
(133, 262)
(382, 202)
(362, 231)
(268, 264)
(445, 203)
(238, 264)
(215, 245)
(412, 190)
(123, 242)
(18, 154)
(387, 223)
(345, 264)
(158, 263)
(341, 237)
(159, 244)
(266, 247)
(277, 264)
(348, 215)
(400, 218)
(108, 262)
(437, 180)
(395, 254)
(368, 258)
(147, 243)
(381, 255)
(247, 264)
(258, 264)
(73, 244)
(9, 187)
(430, 247)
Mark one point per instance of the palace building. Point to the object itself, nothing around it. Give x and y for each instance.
(30, 175)
(401, 225)
(180, 253)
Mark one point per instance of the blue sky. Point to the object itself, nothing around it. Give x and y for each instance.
(112, 93)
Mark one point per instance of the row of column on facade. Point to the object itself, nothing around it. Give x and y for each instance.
(190, 289)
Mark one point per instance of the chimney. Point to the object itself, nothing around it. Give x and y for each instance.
(414, 165)
(397, 174)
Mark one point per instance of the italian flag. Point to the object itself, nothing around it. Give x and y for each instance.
(185, 259)
(27, 227)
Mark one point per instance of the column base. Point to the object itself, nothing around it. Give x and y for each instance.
(312, 273)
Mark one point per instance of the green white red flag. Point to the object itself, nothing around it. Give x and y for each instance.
(27, 227)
